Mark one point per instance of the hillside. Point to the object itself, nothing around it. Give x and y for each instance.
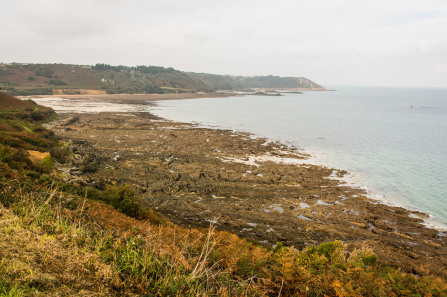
(12, 104)
(19, 126)
(229, 82)
(46, 79)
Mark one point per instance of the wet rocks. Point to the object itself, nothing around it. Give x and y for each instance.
(199, 177)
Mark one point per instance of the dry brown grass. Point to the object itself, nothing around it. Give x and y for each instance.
(37, 157)
(49, 265)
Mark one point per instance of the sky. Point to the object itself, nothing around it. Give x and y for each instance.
(332, 42)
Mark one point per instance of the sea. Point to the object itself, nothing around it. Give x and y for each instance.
(392, 141)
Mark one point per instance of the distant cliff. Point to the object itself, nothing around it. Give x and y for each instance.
(46, 79)
(229, 82)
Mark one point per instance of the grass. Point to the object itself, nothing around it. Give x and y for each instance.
(133, 264)
(45, 259)
(13, 291)
(25, 127)
(87, 247)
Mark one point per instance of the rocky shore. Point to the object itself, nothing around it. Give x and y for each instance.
(256, 189)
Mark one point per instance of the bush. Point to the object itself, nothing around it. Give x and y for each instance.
(123, 198)
(321, 257)
(45, 72)
(364, 257)
(128, 202)
(15, 158)
(61, 153)
(57, 82)
(6, 153)
(33, 174)
(92, 193)
(48, 163)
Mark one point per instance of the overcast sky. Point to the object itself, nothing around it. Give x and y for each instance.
(333, 42)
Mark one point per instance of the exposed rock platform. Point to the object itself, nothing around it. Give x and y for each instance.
(257, 189)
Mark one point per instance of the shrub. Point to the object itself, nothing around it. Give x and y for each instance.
(128, 202)
(15, 158)
(123, 198)
(331, 251)
(92, 193)
(364, 257)
(57, 82)
(48, 163)
(33, 174)
(61, 153)
(45, 72)
(6, 153)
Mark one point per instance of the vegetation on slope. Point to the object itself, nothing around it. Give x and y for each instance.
(229, 82)
(58, 239)
(54, 243)
(46, 79)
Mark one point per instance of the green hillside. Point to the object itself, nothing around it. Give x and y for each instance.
(46, 79)
(43, 79)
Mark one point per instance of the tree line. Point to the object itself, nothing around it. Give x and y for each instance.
(139, 68)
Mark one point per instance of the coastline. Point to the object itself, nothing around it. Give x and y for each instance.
(351, 179)
(129, 102)
(177, 167)
(133, 98)
(378, 161)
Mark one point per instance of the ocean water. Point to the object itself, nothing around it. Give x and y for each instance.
(392, 140)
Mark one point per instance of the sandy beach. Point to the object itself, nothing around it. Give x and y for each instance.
(134, 98)
(259, 190)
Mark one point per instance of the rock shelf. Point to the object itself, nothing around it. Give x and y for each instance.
(257, 189)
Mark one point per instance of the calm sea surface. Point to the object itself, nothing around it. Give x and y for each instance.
(393, 140)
